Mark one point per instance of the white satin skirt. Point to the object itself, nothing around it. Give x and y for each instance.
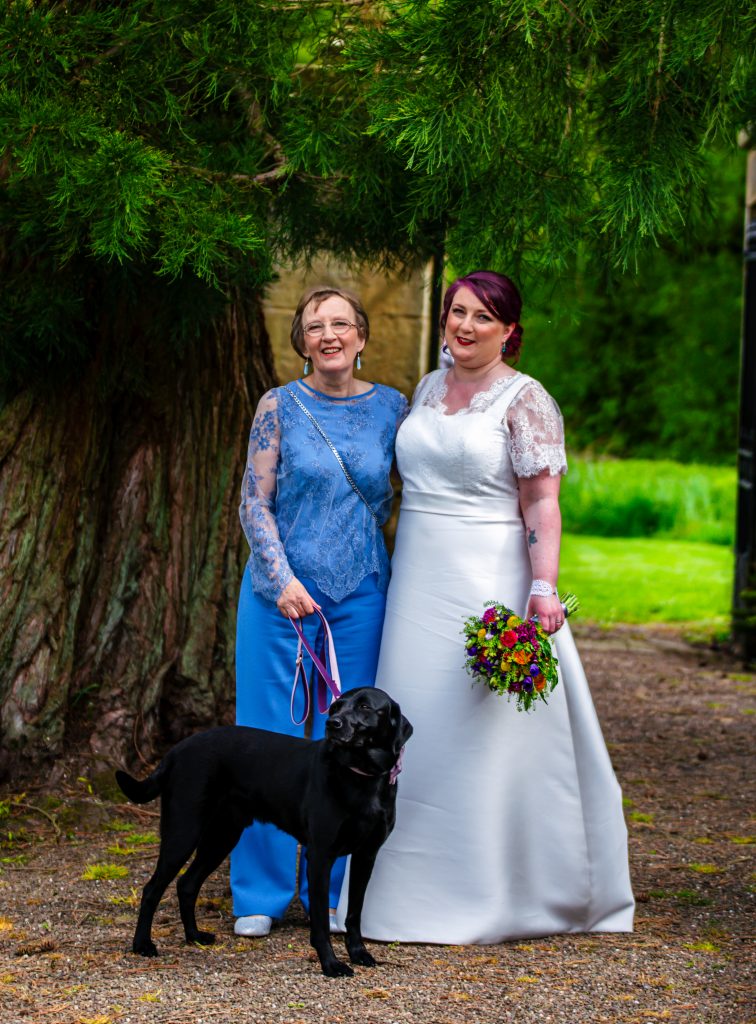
(509, 824)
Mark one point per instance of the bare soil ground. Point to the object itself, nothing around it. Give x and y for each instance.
(678, 720)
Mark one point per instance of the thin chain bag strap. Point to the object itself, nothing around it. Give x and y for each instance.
(333, 448)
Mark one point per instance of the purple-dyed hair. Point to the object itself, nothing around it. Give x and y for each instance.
(500, 297)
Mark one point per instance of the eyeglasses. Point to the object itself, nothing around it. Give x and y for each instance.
(339, 327)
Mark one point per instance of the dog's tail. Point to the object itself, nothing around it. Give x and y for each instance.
(144, 791)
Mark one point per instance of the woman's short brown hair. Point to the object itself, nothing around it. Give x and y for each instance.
(317, 295)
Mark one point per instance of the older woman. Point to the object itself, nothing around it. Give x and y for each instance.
(508, 825)
(316, 542)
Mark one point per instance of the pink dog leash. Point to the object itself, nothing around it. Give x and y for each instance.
(326, 680)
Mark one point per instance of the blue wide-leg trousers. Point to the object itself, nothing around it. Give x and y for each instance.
(264, 862)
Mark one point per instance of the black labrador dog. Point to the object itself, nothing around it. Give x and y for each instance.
(335, 796)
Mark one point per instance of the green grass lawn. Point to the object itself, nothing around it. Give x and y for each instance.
(639, 498)
(618, 579)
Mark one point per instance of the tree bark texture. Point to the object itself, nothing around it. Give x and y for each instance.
(121, 551)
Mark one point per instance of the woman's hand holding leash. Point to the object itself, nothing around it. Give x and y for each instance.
(294, 601)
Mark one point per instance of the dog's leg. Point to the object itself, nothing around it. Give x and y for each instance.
(179, 830)
(360, 870)
(318, 876)
(216, 844)
(166, 870)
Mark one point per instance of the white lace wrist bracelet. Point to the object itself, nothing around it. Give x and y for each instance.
(542, 588)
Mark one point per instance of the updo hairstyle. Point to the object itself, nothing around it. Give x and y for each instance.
(318, 295)
(500, 297)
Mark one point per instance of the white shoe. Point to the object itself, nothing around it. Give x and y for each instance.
(334, 928)
(253, 926)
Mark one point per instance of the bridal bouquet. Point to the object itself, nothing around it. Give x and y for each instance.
(512, 656)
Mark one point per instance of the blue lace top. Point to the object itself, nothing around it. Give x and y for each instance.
(299, 513)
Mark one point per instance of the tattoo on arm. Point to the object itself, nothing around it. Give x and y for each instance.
(532, 539)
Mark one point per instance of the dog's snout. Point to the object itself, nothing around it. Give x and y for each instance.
(340, 728)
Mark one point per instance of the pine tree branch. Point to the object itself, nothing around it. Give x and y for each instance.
(113, 50)
(572, 14)
(274, 173)
(256, 125)
(659, 74)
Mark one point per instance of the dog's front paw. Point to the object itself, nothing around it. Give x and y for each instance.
(145, 948)
(362, 957)
(336, 969)
(201, 938)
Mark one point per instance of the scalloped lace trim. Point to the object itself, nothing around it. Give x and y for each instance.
(480, 402)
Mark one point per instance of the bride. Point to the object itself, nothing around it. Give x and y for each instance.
(508, 824)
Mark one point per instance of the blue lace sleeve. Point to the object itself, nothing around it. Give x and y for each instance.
(269, 564)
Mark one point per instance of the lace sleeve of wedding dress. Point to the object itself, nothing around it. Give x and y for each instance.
(536, 429)
(430, 390)
(420, 388)
(268, 562)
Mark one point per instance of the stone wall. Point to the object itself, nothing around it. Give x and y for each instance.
(398, 306)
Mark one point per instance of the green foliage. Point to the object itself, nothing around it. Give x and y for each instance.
(120, 851)
(132, 840)
(620, 579)
(106, 872)
(637, 498)
(169, 150)
(142, 838)
(704, 869)
(153, 156)
(530, 131)
(688, 897)
(131, 900)
(118, 825)
(648, 365)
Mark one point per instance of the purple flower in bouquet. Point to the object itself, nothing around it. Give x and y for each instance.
(534, 669)
(489, 616)
(527, 684)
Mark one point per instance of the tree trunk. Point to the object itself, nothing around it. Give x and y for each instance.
(121, 551)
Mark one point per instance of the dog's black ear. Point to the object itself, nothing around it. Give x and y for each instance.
(403, 733)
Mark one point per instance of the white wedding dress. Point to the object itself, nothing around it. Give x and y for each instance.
(509, 824)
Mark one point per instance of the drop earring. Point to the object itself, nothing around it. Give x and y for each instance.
(359, 362)
(306, 367)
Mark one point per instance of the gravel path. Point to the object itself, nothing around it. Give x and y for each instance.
(678, 720)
